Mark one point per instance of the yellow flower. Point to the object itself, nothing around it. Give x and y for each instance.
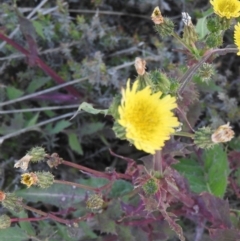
(237, 37)
(147, 119)
(226, 8)
(29, 179)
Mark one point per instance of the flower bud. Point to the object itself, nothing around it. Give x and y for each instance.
(166, 28)
(224, 133)
(159, 82)
(41, 179)
(37, 153)
(12, 202)
(95, 203)
(150, 187)
(205, 72)
(214, 40)
(5, 222)
(45, 179)
(202, 138)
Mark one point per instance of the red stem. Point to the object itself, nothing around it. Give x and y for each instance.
(41, 64)
(97, 173)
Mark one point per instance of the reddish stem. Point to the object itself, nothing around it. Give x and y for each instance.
(97, 173)
(41, 64)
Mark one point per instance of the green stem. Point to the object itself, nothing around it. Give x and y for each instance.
(185, 134)
(191, 71)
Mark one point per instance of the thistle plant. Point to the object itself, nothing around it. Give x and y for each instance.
(183, 170)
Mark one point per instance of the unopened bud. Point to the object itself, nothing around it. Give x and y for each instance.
(5, 221)
(140, 66)
(95, 203)
(224, 133)
(12, 202)
(37, 153)
(206, 71)
(150, 187)
(45, 179)
(202, 138)
(214, 40)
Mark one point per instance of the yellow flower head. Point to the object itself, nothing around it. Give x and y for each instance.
(226, 8)
(147, 119)
(237, 36)
(29, 179)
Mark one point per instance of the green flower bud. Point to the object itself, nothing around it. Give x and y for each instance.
(213, 24)
(5, 222)
(44, 179)
(95, 203)
(12, 202)
(214, 40)
(159, 82)
(203, 138)
(151, 186)
(37, 153)
(206, 71)
(166, 28)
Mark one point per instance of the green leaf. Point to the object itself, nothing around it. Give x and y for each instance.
(26, 226)
(39, 28)
(36, 84)
(201, 26)
(60, 126)
(91, 128)
(32, 121)
(13, 234)
(194, 173)
(212, 176)
(90, 109)
(217, 169)
(13, 93)
(120, 187)
(74, 143)
(59, 194)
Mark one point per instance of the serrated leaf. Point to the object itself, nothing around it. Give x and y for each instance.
(60, 126)
(90, 109)
(216, 167)
(13, 93)
(74, 143)
(106, 224)
(13, 234)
